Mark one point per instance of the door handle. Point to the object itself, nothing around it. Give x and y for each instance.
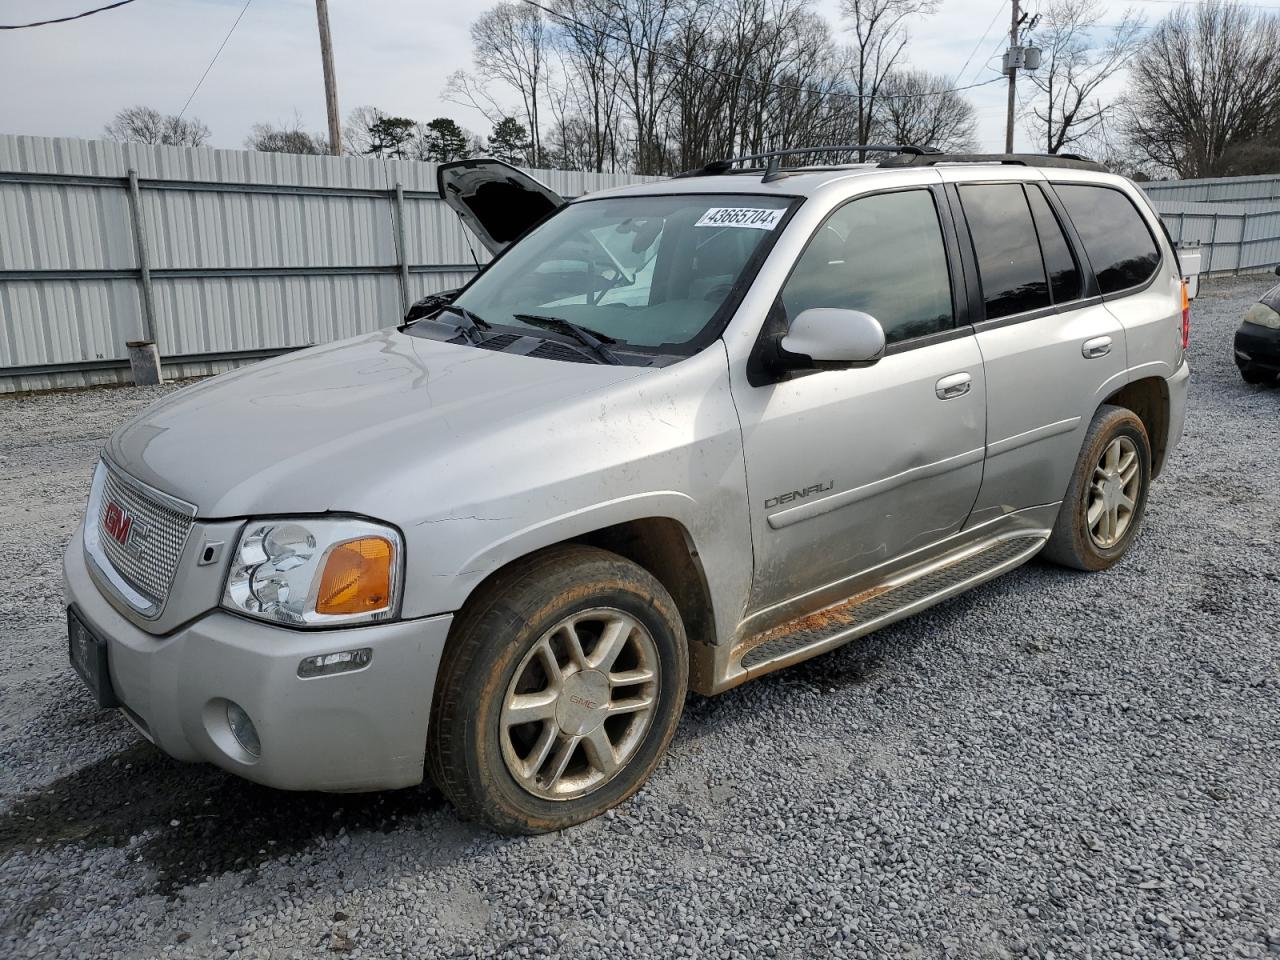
(1097, 347)
(955, 385)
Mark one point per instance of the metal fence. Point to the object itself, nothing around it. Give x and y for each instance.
(220, 256)
(1234, 220)
(1238, 236)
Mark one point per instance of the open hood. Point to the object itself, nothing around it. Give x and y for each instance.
(496, 201)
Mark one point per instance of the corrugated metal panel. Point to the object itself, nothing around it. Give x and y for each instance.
(250, 313)
(421, 284)
(435, 235)
(43, 322)
(1215, 189)
(199, 229)
(63, 227)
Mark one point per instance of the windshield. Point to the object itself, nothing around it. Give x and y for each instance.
(648, 272)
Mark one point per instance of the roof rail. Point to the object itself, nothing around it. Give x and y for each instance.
(1071, 161)
(774, 170)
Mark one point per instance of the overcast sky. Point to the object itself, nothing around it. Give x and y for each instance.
(69, 79)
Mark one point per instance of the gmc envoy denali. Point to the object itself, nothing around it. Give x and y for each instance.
(677, 436)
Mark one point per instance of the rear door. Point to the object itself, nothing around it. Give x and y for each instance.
(1141, 287)
(1049, 345)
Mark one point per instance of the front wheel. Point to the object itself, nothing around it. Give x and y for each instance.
(1107, 496)
(560, 688)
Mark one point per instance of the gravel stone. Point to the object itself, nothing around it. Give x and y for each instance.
(1053, 765)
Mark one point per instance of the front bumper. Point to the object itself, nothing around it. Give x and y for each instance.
(1257, 348)
(363, 730)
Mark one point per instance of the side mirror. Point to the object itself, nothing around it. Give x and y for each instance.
(832, 339)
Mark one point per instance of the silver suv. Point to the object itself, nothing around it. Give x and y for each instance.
(677, 436)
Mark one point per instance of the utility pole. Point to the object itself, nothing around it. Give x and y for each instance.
(331, 81)
(1013, 80)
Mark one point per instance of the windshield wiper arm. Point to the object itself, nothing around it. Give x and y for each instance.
(591, 339)
(471, 325)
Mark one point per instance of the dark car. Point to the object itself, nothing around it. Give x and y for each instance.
(1258, 339)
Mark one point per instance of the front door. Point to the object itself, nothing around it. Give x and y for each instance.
(847, 469)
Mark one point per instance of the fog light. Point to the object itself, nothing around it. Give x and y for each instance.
(341, 662)
(243, 730)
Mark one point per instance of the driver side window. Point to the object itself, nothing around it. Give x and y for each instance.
(883, 255)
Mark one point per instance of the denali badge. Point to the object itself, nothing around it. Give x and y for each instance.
(123, 528)
(782, 498)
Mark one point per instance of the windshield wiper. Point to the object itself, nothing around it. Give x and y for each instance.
(471, 325)
(592, 339)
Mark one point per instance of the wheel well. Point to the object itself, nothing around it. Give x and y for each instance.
(1149, 399)
(664, 548)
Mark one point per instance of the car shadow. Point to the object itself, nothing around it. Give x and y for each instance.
(192, 822)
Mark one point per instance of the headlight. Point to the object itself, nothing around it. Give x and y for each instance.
(1263, 316)
(315, 571)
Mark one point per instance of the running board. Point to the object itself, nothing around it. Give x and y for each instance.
(899, 597)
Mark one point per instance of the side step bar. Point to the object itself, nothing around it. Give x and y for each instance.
(899, 597)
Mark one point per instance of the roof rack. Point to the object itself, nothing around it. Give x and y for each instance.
(1072, 161)
(774, 170)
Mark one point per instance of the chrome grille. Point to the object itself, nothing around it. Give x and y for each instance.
(158, 530)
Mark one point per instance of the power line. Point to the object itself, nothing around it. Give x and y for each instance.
(796, 88)
(216, 54)
(74, 16)
(981, 41)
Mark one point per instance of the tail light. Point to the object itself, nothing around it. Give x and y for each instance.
(1186, 316)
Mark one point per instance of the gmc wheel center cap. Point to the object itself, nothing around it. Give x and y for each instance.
(584, 704)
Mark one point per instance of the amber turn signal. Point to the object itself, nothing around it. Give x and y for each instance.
(357, 577)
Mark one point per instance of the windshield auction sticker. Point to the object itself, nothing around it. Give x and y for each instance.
(753, 217)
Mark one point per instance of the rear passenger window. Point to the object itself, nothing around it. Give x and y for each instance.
(1004, 239)
(1060, 264)
(882, 255)
(1116, 240)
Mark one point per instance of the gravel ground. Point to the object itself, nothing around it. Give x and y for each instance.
(1053, 765)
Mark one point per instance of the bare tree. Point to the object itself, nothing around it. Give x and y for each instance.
(142, 124)
(1076, 64)
(286, 138)
(591, 64)
(371, 133)
(646, 29)
(356, 136)
(879, 28)
(1205, 84)
(661, 85)
(921, 109)
(510, 44)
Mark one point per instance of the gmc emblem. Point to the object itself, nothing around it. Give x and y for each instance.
(121, 527)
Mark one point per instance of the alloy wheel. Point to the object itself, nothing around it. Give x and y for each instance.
(579, 704)
(1113, 492)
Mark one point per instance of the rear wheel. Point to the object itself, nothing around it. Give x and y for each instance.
(561, 686)
(1107, 496)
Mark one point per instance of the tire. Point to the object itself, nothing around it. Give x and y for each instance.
(497, 768)
(1076, 542)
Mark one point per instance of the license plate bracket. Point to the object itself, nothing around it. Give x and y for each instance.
(88, 655)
